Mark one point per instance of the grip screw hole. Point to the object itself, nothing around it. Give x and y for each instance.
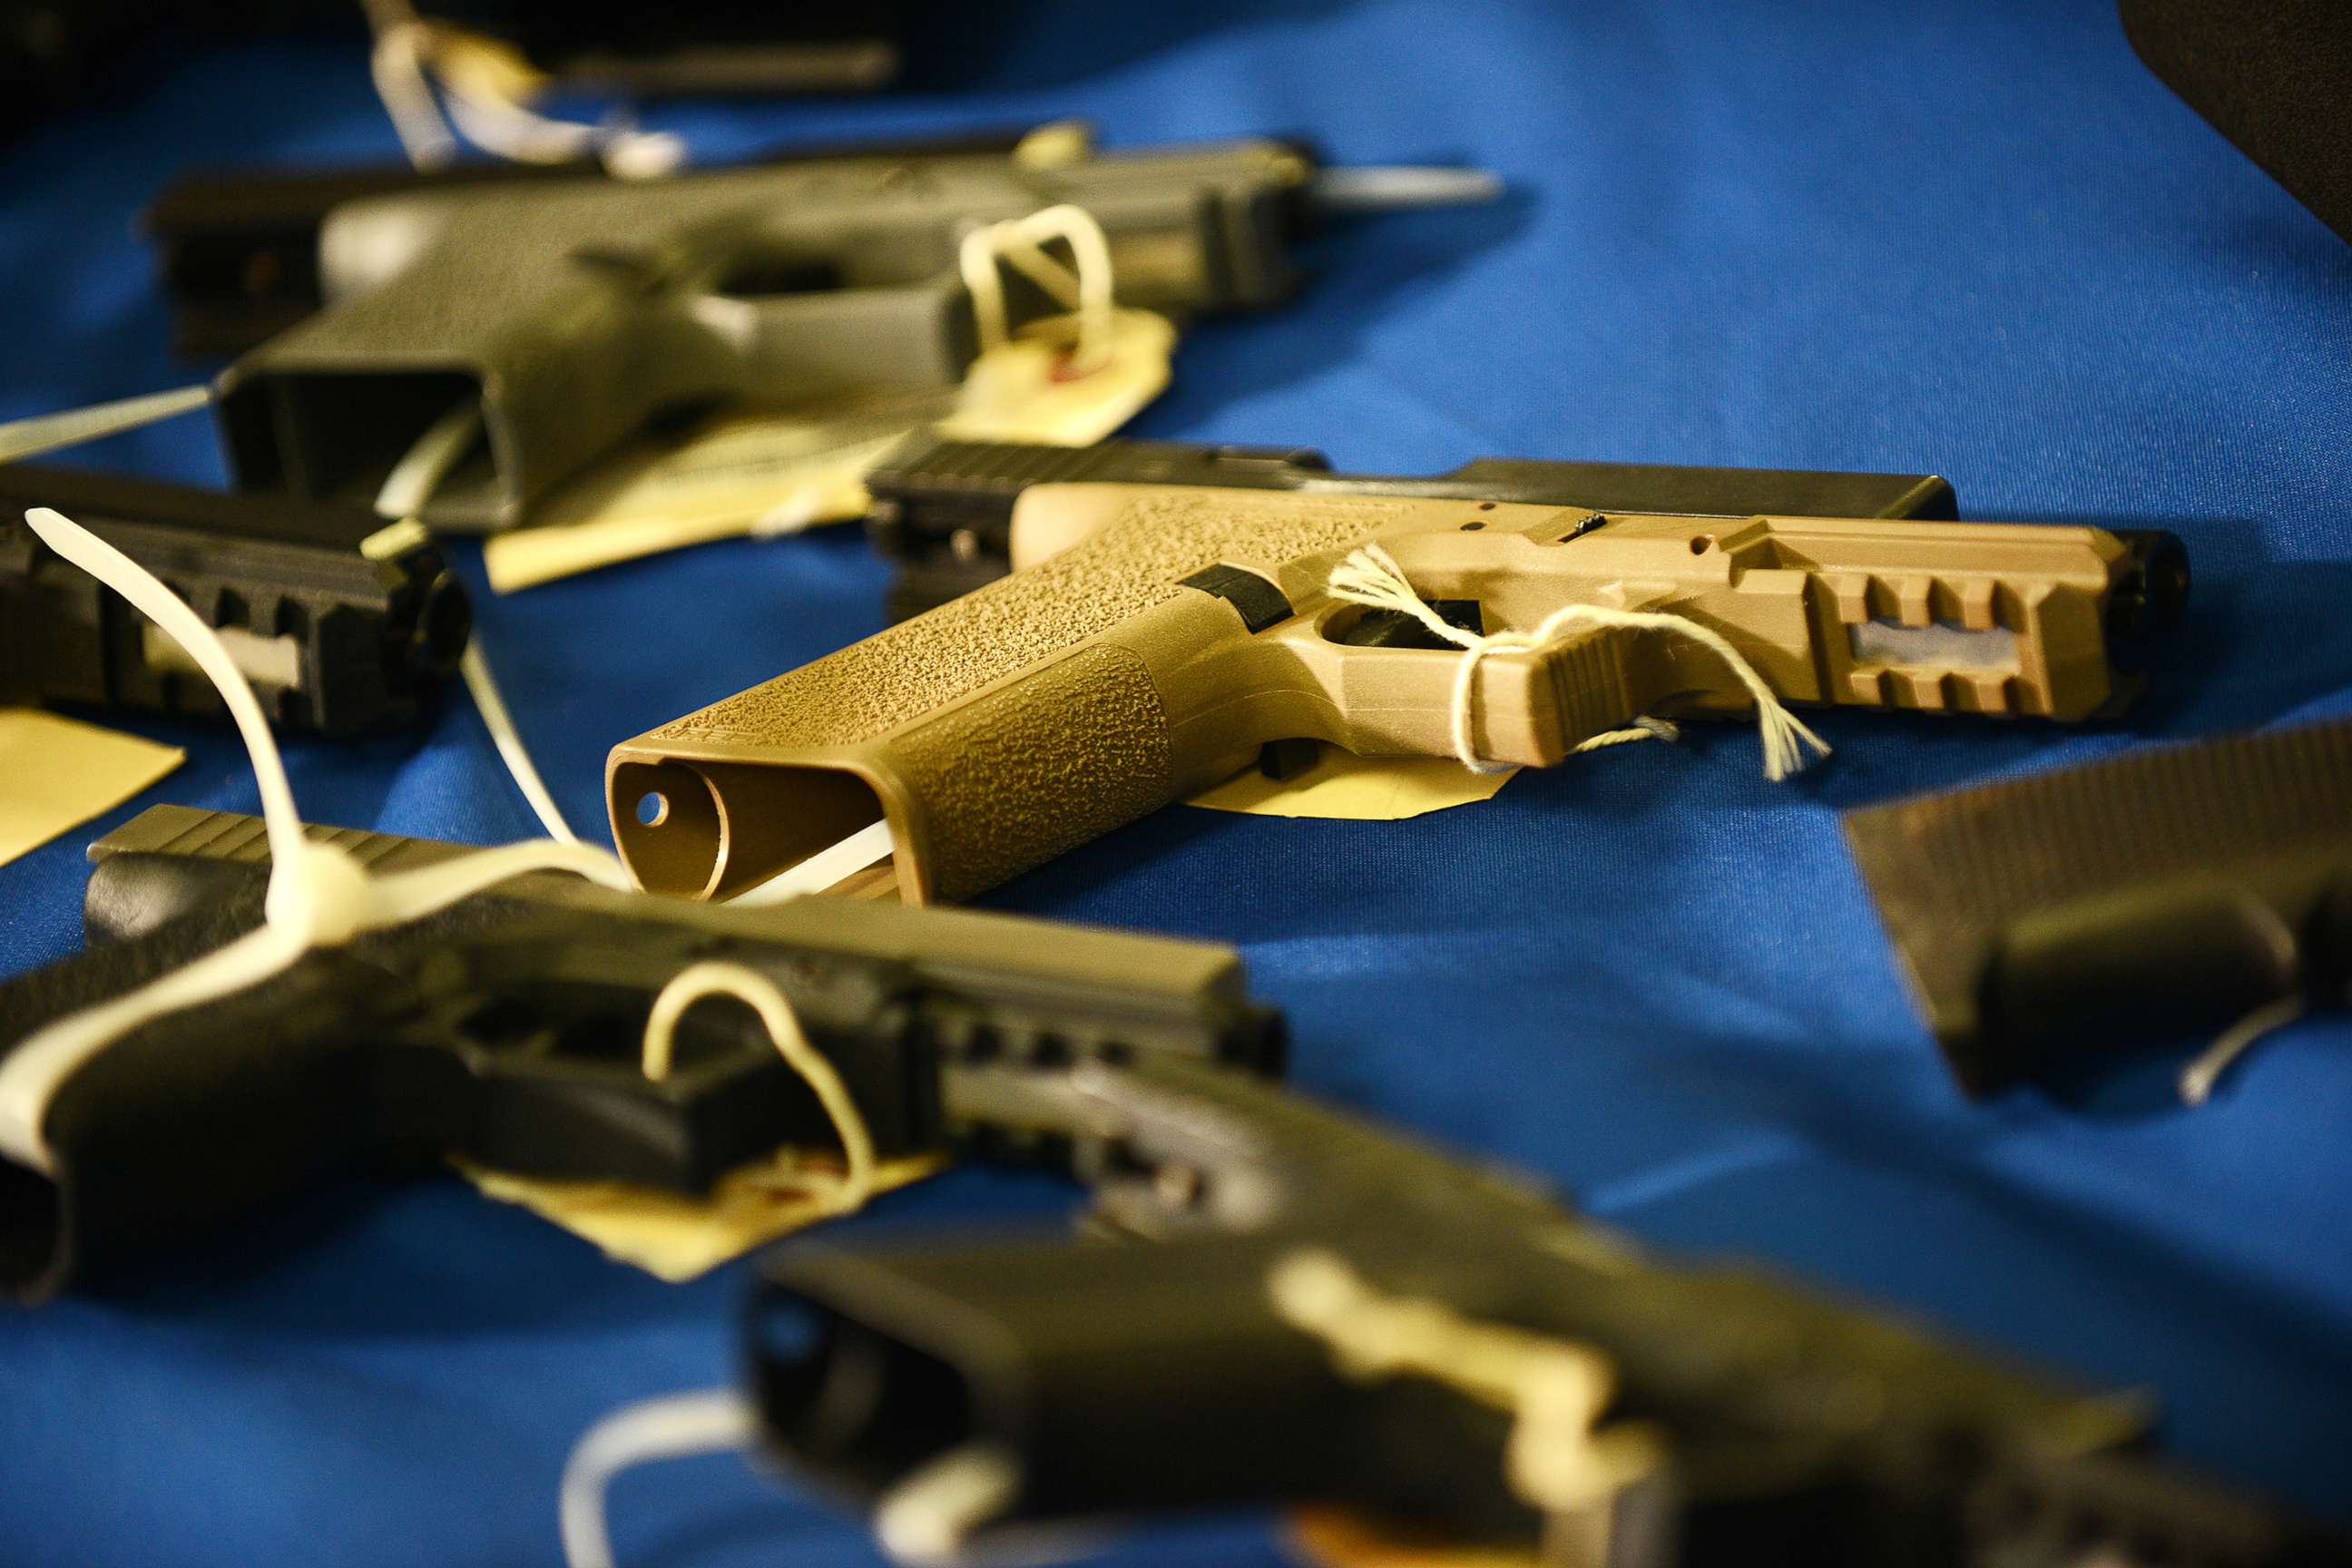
(653, 808)
(1702, 544)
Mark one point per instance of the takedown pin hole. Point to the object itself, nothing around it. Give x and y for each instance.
(666, 819)
(720, 828)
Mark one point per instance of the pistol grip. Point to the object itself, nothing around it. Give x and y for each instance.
(190, 1118)
(998, 730)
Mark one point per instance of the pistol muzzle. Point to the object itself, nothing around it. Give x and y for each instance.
(2149, 597)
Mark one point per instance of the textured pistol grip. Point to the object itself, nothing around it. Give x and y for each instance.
(994, 732)
(183, 1120)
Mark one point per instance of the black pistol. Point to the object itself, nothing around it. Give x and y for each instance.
(942, 511)
(507, 1030)
(1281, 1305)
(343, 623)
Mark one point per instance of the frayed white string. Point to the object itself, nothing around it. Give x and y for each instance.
(22, 438)
(1020, 244)
(1370, 576)
(675, 1426)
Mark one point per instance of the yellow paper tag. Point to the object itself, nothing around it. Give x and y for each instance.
(678, 1238)
(744, 472)
(781, 470)
(1349, 788)
(1017, 393)
(57, 773)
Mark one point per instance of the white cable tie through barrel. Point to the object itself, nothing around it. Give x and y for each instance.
(1369, 576)
(1085, 287)
(1557, 1459)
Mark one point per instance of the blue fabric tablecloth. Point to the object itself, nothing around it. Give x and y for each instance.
(1950, 237)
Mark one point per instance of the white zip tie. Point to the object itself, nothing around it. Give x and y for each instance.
(1371, 577)
(1019, 243)
(868, 846)
(396, 64)
(404, 494)
(319, 896)
(425, 464)
(675, 1426)
(473, 667)
(719, 978)
(928, 1516)
(22, 438)
(2199, 1078)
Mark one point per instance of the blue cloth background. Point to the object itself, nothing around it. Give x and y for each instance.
(1946, 237)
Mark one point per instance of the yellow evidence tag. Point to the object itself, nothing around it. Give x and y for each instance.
(678, 1238)
(56, 774)
(1348, 788)
(774, 471)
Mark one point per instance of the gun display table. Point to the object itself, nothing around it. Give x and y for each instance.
(1977, 241)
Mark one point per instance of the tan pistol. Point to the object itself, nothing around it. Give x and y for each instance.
(1157, 637)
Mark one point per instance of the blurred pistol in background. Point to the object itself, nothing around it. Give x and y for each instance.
(570, 314)
(2176, 892)
(1283, 1305)
(238, 250)
(1168, 634)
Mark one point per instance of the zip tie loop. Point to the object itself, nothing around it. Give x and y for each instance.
(1019, 244)
(675, 1426)
(1370, 576)
(719, 978)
